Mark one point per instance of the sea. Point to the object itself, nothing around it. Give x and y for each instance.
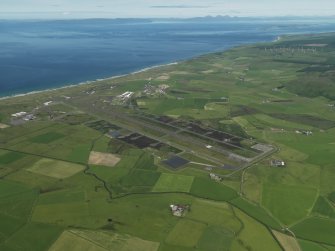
(42, 54)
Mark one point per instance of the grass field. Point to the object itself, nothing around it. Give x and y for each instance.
(311, 246)
(33, 236)
(79, 240)
(256, 212)
(80, 153)
(47, 137)
(324, 207)
(55, 169)
(62, 196)
(10, 157)
(10, 188)
(216, 214)
(173, 183)
(288, 203)
(209, 189)
(70, 241)
(186, 233)
(248, 238)
(216, 238)
(316, 229)
(140, 177)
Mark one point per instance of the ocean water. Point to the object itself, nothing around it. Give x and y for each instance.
(37, 55)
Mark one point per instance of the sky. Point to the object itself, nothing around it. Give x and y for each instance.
(162, 8)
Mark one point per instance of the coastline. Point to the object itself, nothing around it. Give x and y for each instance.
(86, 82)
(277, 39)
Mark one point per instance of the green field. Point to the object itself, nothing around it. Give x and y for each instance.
(47, 137)
(186, 233)
(249, 236)
(55, 169)
(288, 203)
(173, 183)
(206, 188)
(316, 229)
(79, 240)
(9, 158)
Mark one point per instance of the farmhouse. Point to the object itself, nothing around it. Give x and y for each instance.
(29, 117)
(179, 210)
(307, 133)
(277, 163)
(19, 114)
(215, 177)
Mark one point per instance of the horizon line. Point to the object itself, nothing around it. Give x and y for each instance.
(69, 17)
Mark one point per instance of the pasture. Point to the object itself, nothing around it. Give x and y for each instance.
(186, 233)
(47, 137)
(173, 183)
(317, 229)
(70, 241)
(79, 240)
(10, 157)
(288, 203)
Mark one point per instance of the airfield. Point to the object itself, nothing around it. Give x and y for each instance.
(96, 167)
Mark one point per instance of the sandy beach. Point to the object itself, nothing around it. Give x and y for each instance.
(87, 82)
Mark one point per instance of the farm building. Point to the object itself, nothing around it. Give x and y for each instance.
(277, 163)
(307, 133)
(215, 177)
(19, 114)
(179, 210)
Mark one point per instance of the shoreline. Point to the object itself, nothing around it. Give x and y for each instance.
(277, 39)
(87, 82)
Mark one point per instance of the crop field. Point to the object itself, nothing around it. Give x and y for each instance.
(3, 126)
(70, 241)
(55, 169)
(104, 159)
(288, 242)
(201, 134)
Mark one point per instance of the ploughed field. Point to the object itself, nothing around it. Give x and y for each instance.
(98, 166)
